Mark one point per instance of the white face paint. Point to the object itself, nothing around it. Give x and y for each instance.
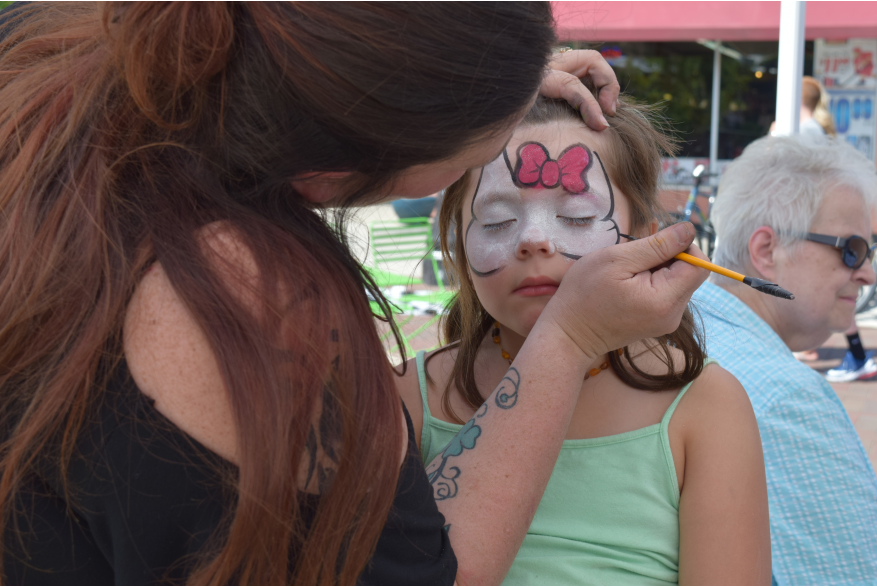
(565, 205)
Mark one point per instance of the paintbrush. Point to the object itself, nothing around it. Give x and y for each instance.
(753, 282)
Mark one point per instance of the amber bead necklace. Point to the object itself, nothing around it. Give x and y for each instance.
(498, 341)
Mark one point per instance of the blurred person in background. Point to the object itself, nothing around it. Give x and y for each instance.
(796, 211)
(815, 118)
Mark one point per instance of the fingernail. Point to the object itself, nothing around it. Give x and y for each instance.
(683, 233)
(603, 120)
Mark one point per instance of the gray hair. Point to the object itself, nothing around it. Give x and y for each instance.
(780, 182)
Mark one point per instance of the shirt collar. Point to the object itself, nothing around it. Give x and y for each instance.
(723, 305)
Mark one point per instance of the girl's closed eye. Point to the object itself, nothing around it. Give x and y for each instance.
(498, 226)
(584, 221)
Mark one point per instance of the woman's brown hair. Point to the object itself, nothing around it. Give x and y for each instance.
(126, 128)
(637, 144)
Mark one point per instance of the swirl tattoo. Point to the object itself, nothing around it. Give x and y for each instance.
(444, 478)
(504, 399)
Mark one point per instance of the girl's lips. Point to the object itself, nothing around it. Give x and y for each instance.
(537, 286)
(536, 290)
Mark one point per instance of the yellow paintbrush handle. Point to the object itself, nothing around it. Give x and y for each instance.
(711, 266)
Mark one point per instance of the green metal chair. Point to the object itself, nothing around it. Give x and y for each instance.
(394, 241)
(408, 239)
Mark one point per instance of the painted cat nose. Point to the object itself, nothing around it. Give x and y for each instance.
(534, 241)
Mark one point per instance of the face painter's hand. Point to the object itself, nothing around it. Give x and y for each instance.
(563, 80)
(611, 297)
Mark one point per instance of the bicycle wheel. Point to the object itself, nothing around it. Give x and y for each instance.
(867, 292)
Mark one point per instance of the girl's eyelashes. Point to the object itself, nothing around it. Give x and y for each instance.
(498, 226)
(586, 221)
(571, 221)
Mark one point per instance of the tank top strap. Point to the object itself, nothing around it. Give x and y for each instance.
(665, 439)
(665, 421)
(425, 436)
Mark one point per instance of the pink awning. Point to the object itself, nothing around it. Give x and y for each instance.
(690, 21)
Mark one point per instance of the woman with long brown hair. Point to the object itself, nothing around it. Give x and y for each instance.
(192, 387)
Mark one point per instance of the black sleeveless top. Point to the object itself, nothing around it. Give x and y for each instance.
(147, 498)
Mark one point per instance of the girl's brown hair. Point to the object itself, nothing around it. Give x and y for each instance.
(126, 128)
(634, 166)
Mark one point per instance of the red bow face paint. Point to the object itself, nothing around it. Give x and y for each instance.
(536, 169)
(535, 202)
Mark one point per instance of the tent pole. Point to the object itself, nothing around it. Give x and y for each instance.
(716, 100)
(790, 67)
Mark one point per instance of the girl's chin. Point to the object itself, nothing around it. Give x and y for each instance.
(521, 319)
(524, 327)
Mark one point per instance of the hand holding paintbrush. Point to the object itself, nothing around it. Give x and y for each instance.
(753, 282)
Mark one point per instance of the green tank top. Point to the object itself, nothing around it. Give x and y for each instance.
(610, 512)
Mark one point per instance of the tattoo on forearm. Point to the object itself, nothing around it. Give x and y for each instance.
(442, 476)
(504, 399)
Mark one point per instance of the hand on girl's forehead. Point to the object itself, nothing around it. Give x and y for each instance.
(555, 196)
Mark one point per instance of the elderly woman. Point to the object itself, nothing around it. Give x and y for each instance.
(796, 212)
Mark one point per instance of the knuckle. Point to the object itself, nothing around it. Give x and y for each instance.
(587, 57)
(658, 244)
(568, 79)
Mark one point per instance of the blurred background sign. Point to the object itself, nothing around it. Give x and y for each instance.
(845, 64)
(672, 53)
(846, 69)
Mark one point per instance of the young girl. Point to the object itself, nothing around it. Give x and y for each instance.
(661, 477)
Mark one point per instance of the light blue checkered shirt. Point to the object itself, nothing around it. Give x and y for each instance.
(821, 487)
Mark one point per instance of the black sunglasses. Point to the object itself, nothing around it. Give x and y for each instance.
(854, 250)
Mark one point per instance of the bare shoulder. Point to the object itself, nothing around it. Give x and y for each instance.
(715, 397)
(169, 356)
(172, 363)
(715, 423)
(723, 511)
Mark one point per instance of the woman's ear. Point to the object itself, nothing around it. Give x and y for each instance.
(647, 230)
(763, 245)
(320, 188)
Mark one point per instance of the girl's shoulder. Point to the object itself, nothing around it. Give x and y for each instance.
(716, 393)
(712, 420)
(723, 511)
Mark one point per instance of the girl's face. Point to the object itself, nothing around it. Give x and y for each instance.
(529, 214)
